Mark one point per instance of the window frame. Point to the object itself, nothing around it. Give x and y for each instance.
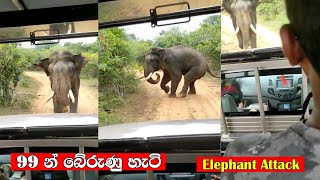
(265, 59)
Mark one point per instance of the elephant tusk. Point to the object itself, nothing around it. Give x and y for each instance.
(237, 30)
(71, 96)
(50, 96)
(253, 28)
(148, 77)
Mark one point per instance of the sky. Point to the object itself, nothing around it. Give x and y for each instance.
(86, 40)
(146, 32)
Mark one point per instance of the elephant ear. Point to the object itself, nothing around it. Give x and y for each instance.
(162, 54)
(79, 61)
(226, 5)
(256, 2)
(44, 64)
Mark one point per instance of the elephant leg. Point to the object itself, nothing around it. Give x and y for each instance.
(190, 77)
(192, 88)
(57, 108)
(74, 106)
(175, 80)
(253, 39)
(164, 82)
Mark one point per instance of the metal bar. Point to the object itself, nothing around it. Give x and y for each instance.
(28, 173)
(259, 93)
(224, 123)
(82, 173)
(161, 17)
(49, 143)
(150, 175)
(51, 37)
(18, 4)
(305, 92)
(263, 65)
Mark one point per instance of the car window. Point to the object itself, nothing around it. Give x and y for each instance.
(127, 96)
(129, 9)
(281, 92)
(27, 80)
(260, 30)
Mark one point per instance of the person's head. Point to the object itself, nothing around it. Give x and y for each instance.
(232, 88)
(301, 38)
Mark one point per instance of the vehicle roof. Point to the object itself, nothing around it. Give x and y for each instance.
(168, 136)
(146, 130)
(47, 120)
(8, 5)
(48, 125)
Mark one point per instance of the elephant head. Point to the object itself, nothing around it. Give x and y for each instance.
(154, 62)
(244, 19)
(63, 70)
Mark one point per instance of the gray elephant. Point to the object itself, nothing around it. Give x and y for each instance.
(244, 18)
(175, 62)
(63, 69)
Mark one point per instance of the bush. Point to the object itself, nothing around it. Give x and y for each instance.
(116, 78)
(11, 67)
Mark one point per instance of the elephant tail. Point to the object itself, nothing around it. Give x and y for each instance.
(210, 72)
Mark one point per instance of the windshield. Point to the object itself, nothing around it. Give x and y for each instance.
(128, 91)
(25, 84)
(129, 9)
(281, 93)
(257, 27)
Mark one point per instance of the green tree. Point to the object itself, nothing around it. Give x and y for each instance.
(172, 37)
(116, 78)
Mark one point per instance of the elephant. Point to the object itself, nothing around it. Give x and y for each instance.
(175, 62)
(244, 18)
(63, 69)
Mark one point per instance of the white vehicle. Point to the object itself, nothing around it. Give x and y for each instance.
(272, 90)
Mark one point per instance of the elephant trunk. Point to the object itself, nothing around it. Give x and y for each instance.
(148, 77)
(62, 87)
(245, 32)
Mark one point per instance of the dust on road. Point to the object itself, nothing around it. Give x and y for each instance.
(153, 104)
(88, 95)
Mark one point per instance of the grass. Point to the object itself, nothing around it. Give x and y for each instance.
(23, 96)
(91, 81)
(274, 24)
(106, 118)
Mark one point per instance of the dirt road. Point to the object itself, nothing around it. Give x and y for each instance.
(265, 37)
(88, 95)
(152, 103)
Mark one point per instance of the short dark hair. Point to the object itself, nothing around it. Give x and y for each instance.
(304, 17)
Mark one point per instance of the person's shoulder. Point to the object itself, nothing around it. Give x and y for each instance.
(244, 144)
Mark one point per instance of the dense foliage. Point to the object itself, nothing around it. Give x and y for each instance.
(121, 57)
(272, 14)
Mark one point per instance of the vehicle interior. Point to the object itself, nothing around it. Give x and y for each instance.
(42, 22)
(271, 93)
(181, 148)
(49, 137)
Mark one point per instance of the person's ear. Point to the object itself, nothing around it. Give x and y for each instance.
(291, 46)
